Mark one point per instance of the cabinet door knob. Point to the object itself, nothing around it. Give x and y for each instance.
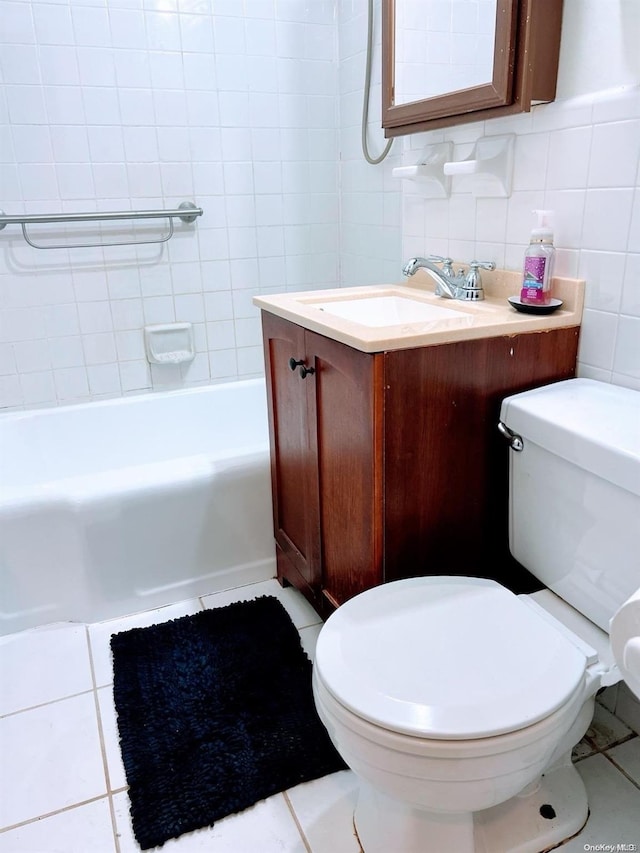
(304, 370)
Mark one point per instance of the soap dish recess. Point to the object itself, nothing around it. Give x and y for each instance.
(169, 343)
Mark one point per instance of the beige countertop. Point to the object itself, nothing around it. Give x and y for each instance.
(491, 317)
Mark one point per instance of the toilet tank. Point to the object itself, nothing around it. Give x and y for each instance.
(574, 491)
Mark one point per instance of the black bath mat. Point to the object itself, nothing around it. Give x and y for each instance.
(215, 712)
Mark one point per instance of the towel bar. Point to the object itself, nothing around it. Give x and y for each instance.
(186, 211)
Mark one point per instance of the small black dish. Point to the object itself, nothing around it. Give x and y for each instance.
(526, 308)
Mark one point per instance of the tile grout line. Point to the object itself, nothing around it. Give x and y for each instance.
(44, 704)
(60, 699)
(604, 752)
(601, 750)
(297, 822)
(61, 810)
(292, 811)
(103, 748)
(635, 782)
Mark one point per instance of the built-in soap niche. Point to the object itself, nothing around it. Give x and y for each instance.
(169, 343)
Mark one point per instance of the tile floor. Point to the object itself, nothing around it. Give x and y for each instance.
(62, 784)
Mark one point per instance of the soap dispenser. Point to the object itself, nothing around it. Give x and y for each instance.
(538, 262)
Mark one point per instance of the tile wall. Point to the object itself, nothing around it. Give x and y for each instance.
(580, 158)
(370, 199)
(140, 104)
(252, 108)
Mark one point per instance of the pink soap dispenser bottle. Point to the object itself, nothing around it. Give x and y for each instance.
(538, 262)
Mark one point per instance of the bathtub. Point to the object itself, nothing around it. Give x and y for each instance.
(112, 507)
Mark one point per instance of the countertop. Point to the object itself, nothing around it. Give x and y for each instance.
(490, 317)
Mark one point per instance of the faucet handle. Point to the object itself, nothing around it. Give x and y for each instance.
(484, 265)
(473, 282)
(447, 264)
(473, 278)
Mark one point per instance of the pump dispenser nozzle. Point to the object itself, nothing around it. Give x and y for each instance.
(544, 228)
(538, 259)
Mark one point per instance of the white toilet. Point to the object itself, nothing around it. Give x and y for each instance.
(457, 703)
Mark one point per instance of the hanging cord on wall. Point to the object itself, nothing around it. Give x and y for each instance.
(367, 91)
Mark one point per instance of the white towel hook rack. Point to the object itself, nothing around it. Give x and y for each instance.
(186, 211)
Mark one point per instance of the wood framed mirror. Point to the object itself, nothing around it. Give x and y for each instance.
(446, 62)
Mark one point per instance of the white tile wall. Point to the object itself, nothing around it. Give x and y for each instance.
(579, 157)
(137, 105)
(253, 110)
(371, 210)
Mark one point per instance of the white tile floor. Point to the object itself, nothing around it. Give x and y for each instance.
(63, 788)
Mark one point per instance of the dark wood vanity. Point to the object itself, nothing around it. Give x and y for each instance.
(389, 464)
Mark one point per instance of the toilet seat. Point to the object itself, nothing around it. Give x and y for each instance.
(447, 658)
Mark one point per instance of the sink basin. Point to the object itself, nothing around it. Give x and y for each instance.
(379, 311)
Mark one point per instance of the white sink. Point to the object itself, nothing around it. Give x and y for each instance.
(378, 311)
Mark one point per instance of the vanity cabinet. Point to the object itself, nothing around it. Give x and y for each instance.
(389, 465)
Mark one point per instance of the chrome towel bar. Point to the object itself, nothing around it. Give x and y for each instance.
(187, 212)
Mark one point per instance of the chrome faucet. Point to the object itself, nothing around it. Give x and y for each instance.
(447, 282)
(450, 284)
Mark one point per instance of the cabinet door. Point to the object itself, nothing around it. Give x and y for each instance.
(294, 472)
(345, 403)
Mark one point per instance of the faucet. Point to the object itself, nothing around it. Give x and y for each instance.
(449, 284)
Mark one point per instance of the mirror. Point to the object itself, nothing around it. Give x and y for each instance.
(449, 61)
(442, 46)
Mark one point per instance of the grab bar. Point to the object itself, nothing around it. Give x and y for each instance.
(186, 211)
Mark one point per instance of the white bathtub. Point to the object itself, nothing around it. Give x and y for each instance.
(112, 507)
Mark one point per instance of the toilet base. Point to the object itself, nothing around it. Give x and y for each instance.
(541, 817)
(384, 824)
(547, 813)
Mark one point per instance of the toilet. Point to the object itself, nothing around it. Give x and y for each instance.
(456, 702)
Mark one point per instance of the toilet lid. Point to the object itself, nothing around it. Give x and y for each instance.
(446, 657)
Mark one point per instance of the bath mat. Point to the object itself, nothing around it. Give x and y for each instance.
(215, 712)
